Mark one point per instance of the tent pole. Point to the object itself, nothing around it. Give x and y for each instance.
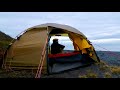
(38, 74)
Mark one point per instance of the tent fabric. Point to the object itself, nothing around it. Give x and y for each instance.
(79, 43)
(64, 27)
(26, 51)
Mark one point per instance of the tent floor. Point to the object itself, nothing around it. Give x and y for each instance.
(58, 67)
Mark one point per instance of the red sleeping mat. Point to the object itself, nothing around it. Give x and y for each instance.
(62, 54)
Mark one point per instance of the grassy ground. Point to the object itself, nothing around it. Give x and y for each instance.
(101, 70)
(109, 67)
(15, 74)
(98, 70)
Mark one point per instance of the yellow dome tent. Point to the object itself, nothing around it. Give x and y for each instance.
(30, 48)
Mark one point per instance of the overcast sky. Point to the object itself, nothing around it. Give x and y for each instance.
(101, 28)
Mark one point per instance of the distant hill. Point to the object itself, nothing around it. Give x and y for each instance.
(110, 57)
(4, 37)
(4, 40)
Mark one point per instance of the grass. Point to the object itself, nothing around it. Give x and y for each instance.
(84, 76)
(105, 71)
(15, 74)
(103, 66)
(4, 44)
(89, 74)
(115, 70)
(107, 75)
(102, 62)
(96, 71)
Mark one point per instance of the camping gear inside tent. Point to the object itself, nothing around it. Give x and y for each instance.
(31, 50)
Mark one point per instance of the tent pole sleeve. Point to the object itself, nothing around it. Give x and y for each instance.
(38, 74)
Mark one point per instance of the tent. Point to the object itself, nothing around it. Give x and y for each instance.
(31, 50)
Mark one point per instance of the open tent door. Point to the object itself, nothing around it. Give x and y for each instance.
(68, 59)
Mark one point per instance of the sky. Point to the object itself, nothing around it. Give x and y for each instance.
(101, 28)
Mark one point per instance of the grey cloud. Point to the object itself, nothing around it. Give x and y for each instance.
(95, 25)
